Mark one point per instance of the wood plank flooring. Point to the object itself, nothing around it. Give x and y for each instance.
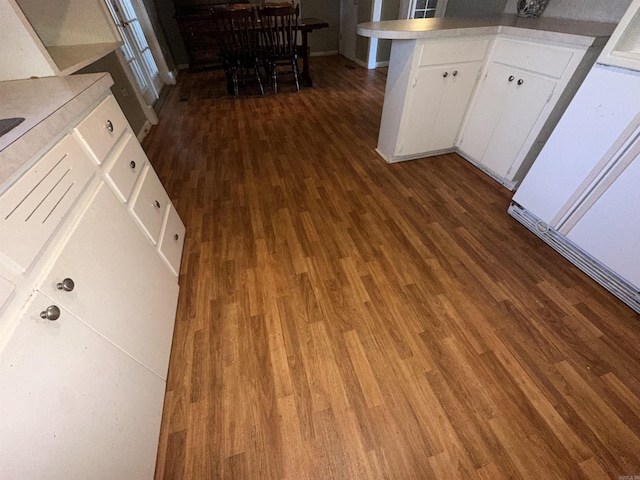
(341, 318)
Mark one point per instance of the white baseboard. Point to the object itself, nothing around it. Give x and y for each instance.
(363, 64)
(382, 64)
(324, 54)
(144, 131)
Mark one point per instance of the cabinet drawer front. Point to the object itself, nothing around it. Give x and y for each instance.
(172, 240)
(101, 129)
(149, 204)
(439, 52)
(126, 167)
(542, 59)
(35, 205)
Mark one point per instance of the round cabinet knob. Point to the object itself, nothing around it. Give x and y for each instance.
(132, 164)
(67, 285)
(176, 237)
(156, 203)
(520, 81)
(445, 74)
(511, 78)
(51, 313)
(455, 73)
(109, 125)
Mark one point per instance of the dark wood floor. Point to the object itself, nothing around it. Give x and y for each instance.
(341, 318)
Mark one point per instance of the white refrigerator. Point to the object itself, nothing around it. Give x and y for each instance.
(582, 194)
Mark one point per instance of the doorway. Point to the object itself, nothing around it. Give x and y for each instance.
(348, 23)
(136, 52)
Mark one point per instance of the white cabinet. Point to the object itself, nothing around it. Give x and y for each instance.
(53, 38)
(73, 405)
(429, 86)
(81, 396)
(123, 289)
(437, 103)
(510, 116)
(507, 106)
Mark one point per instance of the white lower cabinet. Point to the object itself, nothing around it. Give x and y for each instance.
(122, 288)
(516, 105)
(428, 89)
(82, 386)
(507, 106)
(73, 405)
(437, 102)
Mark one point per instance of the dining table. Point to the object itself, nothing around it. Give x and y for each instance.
(307, 25)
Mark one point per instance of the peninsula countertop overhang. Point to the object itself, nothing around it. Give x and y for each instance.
(574, 32)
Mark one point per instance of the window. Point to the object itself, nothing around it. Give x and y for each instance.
(424, 9)
(427, 8)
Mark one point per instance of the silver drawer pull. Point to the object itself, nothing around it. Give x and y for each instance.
(132, 164)
(455, 73)
(511, 78)
(156, 203)
(520, 81)
(176, 237)
(67, 285)
(109, 125)
(445, 74)
(51, 313)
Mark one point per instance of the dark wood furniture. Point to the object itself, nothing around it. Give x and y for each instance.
(199, 35)
(239, 44)
(306, 25)
(198, 31)
(279, 29)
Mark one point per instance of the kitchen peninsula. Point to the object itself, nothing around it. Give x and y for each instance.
(491, 89)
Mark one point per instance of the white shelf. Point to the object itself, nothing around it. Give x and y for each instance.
(42, 39)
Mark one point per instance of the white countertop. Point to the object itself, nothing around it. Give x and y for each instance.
(48, 105)
(552, 29)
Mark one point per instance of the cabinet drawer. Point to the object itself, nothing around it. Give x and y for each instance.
(149, 204)
(35, 205)
(100, 130)
(172, 240)
(126, 167)
(439, 52)
(543, 59)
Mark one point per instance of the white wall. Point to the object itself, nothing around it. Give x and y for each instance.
(594, 10)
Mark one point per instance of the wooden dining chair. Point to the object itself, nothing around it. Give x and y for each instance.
(238, 40)
(279, 27)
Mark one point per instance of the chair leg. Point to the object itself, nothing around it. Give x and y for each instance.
(257, 69)
(295, 73)
(274, 78)
(234, 75)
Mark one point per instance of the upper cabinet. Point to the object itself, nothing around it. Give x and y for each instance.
(55, 38)
(623, 49)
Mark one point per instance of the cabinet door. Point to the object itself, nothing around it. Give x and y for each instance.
(508, 104)
(122, 288)
(72, 405)
(527, 98)
(435, 109)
